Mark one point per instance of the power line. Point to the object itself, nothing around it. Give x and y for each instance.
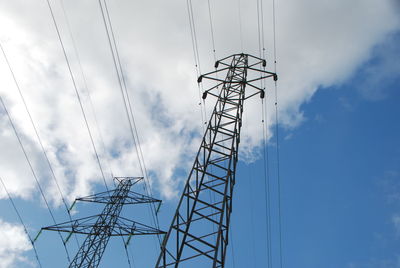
(194, 33)
(195, 48)
(259, 28)
(86, 87)
(277, 135)
(37, 135)
(93, 111)
(22, 222)
(278, 171)
(264, 124)
(278, 174)
(267, 191)
(33, 172)
(262, 28)
(128, 99)
(274, 31)
(127, 104)
(77, 93)
(240, 24)
(147, 180)
(212, 30)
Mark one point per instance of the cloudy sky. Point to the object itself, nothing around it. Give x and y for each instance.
(338, 70)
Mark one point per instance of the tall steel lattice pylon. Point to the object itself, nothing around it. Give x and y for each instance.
(198, 235)
(99, 228)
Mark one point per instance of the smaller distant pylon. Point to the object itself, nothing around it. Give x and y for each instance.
(99, 228)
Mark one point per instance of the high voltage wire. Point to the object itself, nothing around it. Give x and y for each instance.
(259, 29)
(249, 176)
(33, 172)
(264, 124)
(194, 33)
(22, 222)
(274, 31)
(240, 24)
(77, 92)
(86, 87)
(267, 186)
(95, 117)
(93, 111)
(37, 135)
(195, 48)
(127, 104)
(279, 178)
(262, 27)
(260, 10)
(267, 191)
(82, 110)
(277, 136)
(212, 30)
(137, 142)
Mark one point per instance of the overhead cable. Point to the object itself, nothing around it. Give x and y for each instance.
(212, 30)
(197, 64)
(140, 152)
(22, 222)
(38, 137)
(77, 93)
(277, 137)
(267, 191)
(93, 111)
(240, 24)
(126, 100)
(96, 121)
(33, 173)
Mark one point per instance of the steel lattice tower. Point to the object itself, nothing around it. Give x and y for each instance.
(99, 228)
(198, 235)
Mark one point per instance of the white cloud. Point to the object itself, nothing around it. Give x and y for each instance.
(320, 43)
(13, 244)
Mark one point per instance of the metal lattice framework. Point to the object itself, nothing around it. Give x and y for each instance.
(99, 228)
(198, 235)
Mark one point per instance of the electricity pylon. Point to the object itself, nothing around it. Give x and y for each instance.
(99, 228)
(198, 235)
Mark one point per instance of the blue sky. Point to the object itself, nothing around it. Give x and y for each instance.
(338, 132)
